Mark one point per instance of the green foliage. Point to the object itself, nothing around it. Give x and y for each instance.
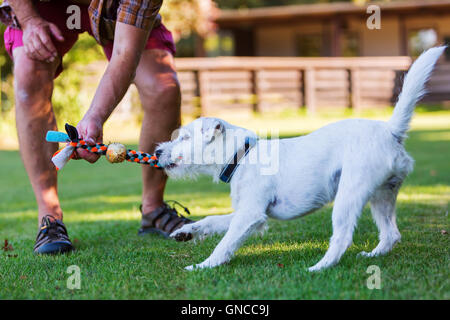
(187, 17)
(6, 91)
(85, 50)
(5, 62)
(67, 95)
(66, 103)
(6, 102)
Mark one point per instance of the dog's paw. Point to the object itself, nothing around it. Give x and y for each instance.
(190, 231)
(371, 254)
(314, 268)
(365, 254)
(189, 268)
(208, 263)
(196, 267)
(182, 234)
(322, 264)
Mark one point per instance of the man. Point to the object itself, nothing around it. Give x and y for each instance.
(140, 51)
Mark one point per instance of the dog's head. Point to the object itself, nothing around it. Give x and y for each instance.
(201, 147)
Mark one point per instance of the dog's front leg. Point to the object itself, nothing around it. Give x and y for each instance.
(203, 228)
(242, 226)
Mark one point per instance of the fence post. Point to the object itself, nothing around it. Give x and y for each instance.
(355, 88)
(301, 89)
(310, 90)
(203, 90)
(255, 90)
(198, 95)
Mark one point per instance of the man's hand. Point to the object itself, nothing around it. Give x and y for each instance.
(37, 39)
(90, 129)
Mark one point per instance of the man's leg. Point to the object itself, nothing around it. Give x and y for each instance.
(160, 95)
(33, 86)
(159, 91)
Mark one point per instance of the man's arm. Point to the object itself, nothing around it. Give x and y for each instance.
(37, 32)
(129, 42)
(24, 10)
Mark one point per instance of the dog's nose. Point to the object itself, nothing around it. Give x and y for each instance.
(158, 153)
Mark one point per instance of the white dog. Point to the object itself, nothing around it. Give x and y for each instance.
(352, 162)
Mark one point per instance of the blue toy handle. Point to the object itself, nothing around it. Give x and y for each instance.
(56, 136)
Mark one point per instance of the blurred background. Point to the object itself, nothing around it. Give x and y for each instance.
(289, 65)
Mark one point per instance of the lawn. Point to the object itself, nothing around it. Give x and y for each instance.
(101, 203)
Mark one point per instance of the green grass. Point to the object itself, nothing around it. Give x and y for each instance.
(101, 211)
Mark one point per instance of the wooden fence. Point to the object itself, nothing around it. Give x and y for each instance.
(267, 83)
(439, 84)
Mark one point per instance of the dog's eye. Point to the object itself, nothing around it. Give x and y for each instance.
(185, 137)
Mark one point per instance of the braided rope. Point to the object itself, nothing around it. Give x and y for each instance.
(131, 156)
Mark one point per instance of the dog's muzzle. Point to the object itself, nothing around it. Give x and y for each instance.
(166, 165)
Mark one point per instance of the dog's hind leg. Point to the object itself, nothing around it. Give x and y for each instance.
(201, 229)
(353, 193)
(241, 227)
(382, 205)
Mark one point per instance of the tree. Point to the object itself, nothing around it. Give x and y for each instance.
(184, 17)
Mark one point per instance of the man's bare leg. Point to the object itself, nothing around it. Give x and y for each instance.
(160, 96)
(33, 86)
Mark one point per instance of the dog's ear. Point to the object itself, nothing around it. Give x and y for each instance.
(212, 129)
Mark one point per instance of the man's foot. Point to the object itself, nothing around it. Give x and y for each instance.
(52, 237)
(163, 220)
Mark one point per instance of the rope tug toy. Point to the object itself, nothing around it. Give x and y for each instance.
(115, 152)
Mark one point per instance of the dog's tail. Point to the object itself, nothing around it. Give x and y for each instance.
(413, 90)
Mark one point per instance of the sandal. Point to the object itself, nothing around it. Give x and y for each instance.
(163, 220)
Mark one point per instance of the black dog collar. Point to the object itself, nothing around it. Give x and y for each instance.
(227, 172)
